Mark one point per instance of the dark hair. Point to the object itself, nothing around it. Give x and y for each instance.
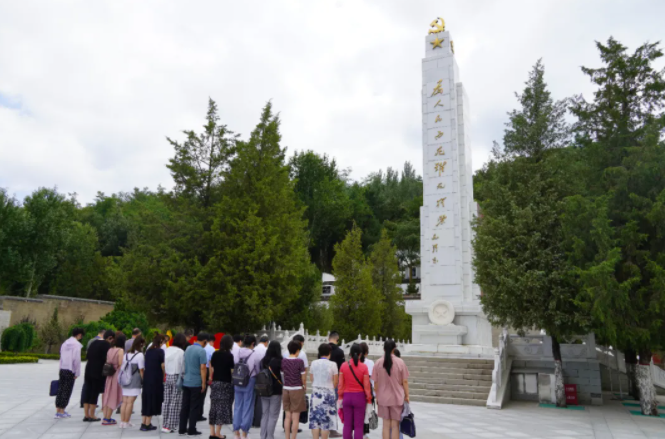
(136, 332)
(120, 340)
(274, 351)
(78, 331)
(364, 348)
(189, 333)
(109, 333)
(202, 336)
(293, 347)
(226, 344)
(264, 339)
(249, 341)
(157, 341)
(333, 334)
(180, 341)
(137, 346)
(388, 348)
(299, 338)
(397, 353)
(237, 338)
(324, 350)
(355, 353)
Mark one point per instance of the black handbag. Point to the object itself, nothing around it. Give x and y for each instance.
(408, 424)
(304, 416)
(53, 391)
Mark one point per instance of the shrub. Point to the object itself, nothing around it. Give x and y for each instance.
(17, 359)
(126, 321)
(52, 333)
(5, 354)
(19, 338)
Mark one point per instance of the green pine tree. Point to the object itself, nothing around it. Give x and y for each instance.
(387, 278)
(356, 304)
(258, 237)
(520, 261)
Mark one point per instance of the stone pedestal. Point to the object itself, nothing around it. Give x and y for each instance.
(448, 316)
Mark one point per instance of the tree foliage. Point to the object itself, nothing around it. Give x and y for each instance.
(356, 304)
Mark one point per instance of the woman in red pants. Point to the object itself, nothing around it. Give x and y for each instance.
(355, 393)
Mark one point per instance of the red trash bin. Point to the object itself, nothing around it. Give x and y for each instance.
(571, 394)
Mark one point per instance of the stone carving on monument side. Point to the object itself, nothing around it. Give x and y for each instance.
(441, 312)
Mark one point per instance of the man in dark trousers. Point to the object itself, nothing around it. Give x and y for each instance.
(94, 378)
(337, 356)
(193, 386)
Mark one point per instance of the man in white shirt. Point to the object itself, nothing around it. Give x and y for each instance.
(237, 344)
(261, 348)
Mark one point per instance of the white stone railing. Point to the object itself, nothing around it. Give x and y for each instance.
(534, 347)
(657, 375)
(500, 374)
(313, 341)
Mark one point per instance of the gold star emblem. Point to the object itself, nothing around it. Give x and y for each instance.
(436, 43)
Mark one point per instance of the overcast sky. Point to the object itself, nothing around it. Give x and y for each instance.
(90, 90)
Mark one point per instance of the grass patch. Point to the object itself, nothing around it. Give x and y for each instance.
(553, 406)
(639, 413)
(637, 404)
(18, 359)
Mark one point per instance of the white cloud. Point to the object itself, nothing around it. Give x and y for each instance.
(90, 90)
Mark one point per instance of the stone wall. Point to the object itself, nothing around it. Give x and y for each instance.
(40, 309)
(586, 374)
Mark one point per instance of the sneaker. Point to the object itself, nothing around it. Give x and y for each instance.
(166, 430)
(66, 415)
(122, 425)
(144, 427)
(59, 416)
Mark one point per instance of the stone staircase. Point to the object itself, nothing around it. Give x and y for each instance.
(450, 380)
(447, 380)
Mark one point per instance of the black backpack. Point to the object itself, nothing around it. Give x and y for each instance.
(263, 386)
(241, 372)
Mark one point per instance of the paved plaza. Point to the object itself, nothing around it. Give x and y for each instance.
(26, 412)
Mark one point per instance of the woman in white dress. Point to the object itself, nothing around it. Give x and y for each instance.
(323, 408)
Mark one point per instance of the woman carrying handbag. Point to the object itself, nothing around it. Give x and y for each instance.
(355, 393)
(392, 389)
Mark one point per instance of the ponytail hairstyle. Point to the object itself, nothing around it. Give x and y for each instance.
(364, 347)
(388, 347)
(355, 353)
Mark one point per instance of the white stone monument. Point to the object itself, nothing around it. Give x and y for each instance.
(448, 319)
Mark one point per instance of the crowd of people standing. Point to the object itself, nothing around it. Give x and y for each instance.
(173, 382)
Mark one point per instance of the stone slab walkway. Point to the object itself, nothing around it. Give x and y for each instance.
(26, 412)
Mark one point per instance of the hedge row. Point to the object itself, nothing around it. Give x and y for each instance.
(39, 356)
(17, 359)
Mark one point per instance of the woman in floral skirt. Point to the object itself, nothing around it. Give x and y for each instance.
(174, 365)
(221, 388)
(323, 408)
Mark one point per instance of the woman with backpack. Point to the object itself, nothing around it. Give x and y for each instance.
(131, 377)
(323, 410)
(355, 393)
(153, 384)
(271, 365)
(244, 378)
(221, 388)
(392, 389)
(174, 366)
(112, 396)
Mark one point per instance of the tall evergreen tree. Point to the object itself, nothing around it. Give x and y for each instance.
(356, 304)
(258, 237)
(386, 278)
(615, 232)
(520, 261)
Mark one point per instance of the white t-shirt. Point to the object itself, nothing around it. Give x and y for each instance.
(234, 351)
(324, 372)
(134, 389)
(174, 360)
(210, 349)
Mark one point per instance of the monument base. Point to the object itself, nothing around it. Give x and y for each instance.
(450, 351)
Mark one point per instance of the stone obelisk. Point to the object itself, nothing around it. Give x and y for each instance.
(448, 319)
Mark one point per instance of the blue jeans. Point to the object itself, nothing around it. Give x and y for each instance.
(244, 409)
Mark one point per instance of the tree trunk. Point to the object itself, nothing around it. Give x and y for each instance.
(631, 370)
(559, 388)
(648, 401)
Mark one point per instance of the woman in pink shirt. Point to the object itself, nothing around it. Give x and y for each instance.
(392, 389)
(355, 392)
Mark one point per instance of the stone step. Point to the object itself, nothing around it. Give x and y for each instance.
(424, 360)
(447, 400)
(432, 378)
(483, 388)
(449, 394)
(452, 381)
(448, 370)
(435, 366)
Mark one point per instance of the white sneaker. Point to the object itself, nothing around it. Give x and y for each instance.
(166, 430)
